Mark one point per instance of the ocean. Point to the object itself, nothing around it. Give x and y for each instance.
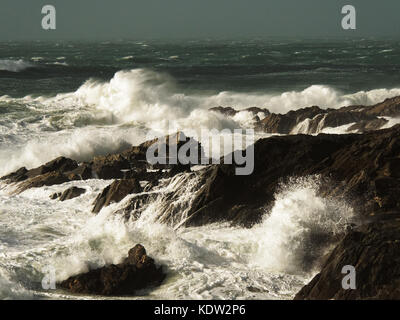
(82, 99)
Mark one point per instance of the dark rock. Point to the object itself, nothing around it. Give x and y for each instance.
(285, 123)
(17, 176)
(83, 172)
(68, 194)
(230, 112)
(60, 164)
(363, 169)
(365, 125)
(374, 251)
(136, 272)
(55, 196)
(115, 192)
(47, 179)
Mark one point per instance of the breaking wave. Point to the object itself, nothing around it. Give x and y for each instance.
(272, 260)
(14, 65)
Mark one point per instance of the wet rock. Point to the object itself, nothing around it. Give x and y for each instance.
(60, 164)
(228, 111)
(17, 176)
(363, 169)
(374, 251)
(138, 271)
(368, 125)
(115, 192)
(68, 194)
(47, 179)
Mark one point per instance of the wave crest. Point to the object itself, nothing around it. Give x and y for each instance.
(14, 65)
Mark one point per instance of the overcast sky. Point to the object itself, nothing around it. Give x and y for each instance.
(142, 19)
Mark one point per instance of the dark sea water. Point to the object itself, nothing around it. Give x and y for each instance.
(244, 66)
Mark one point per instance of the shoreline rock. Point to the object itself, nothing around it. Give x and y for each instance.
(138, 271)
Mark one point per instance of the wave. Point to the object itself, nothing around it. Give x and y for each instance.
(103, 116)
(14, 65)
(147, 96)
(81, 144)
(215, 261)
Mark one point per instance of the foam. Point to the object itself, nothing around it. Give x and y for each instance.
(14, 65)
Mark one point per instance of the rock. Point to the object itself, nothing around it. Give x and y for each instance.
(17, 176)
(47, 179)
(374, 251)
(115, 192)
(55, 196)
(363, 169)
(138, 271)
(388, 108)
(83, 172)
(60, 164)
(285, 123)
(226, 111)
(230, 112)
(110, 167)
(365, 125)
(68, 194)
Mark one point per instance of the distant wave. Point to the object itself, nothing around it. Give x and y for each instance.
(14, 65)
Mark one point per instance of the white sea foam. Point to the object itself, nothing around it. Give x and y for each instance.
(102, 117)
(214, 261)
(14, 65)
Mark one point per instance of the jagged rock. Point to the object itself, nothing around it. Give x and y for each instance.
(47, 179)
(365, 118)
(60, 164)
(228, 111)
(138, 271)
(83, 172)
(285, 123)
(110, 167)
(388, 108)
(68, 194)
(374, 251)
(364, 169)
(365, 125)
(115, 192)
(17, 176)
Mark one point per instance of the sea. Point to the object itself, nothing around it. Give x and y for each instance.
(81, 99)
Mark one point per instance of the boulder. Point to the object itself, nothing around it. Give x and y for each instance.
(374, 251)
(138, 271)
(47, 179)
(68, 194)
(115, 192)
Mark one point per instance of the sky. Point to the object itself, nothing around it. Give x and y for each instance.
(170, 19)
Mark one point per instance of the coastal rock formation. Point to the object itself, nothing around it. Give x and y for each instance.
(129, 164)
(68, 194)
(374, 251)
(115, 192)
(229, 111)
(312, 120)
(363, 169)
(138, 271)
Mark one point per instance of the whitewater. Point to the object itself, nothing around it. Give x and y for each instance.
(210, 262)
(135, 106)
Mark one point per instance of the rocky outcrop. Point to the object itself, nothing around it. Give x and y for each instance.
(364, 169)
(129, 164)
(68, 194)
(312, 120)
(115, 192)
(285, 123)
(374, 251)
(231, 112)
(138, 271)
